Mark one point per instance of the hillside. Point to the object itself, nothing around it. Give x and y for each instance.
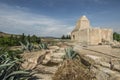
(5, 34)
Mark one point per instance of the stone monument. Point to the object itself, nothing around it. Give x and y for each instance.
(84, 33)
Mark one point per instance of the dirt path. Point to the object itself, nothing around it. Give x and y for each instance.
(102, 51)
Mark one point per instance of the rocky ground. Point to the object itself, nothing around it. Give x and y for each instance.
(43, 63)
(104, 60)
(106, 63)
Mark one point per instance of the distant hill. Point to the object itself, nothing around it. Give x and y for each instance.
(3, 34)
(50, 37)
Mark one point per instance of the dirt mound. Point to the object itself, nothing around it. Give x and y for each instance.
(73, 70)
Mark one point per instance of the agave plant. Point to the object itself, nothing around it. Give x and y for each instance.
(28, 46)
(70, 53)
(10, 69)
(43, 46)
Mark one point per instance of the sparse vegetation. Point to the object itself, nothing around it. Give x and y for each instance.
(13, 40)
(28, 46)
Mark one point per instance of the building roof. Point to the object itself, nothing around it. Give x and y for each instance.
(83, 18)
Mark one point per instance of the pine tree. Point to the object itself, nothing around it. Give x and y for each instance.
(63, 37)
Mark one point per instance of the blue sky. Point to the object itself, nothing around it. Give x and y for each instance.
(56, 17)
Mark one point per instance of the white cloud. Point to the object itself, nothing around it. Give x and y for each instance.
(20, 20)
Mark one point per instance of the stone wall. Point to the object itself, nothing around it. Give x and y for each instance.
(94, 36)
(83, 36)
(97, 35)
(74, 36)
(107, 34)
(80, 36)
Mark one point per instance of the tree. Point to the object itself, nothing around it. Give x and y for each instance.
(63, 37)
(29, 38)
(116, 36)
(22, 38)
(68, 37)
(16, 39)
(11, 40)
(34, 38)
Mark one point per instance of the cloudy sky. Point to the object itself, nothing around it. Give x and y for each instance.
(56, 17)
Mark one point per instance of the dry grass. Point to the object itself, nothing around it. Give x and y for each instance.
(73, 70)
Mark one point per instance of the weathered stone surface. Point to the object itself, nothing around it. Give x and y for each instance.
(55, 55)
(31, 59)
(115, 77)
(53, 47)
(85, 34)
(102, 76)
(47, 58)
(115, 44)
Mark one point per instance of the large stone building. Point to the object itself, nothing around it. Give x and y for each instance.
(84, 33)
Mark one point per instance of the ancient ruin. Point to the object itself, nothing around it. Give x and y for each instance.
(84, 33)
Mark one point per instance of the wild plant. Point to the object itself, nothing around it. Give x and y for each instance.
(43, 46)
(70, 54)
(10, 67)
(28, 46)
